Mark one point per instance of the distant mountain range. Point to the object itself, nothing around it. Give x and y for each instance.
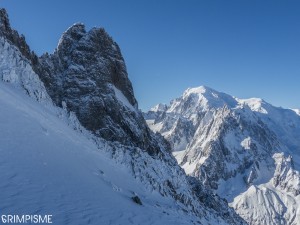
(246, 150)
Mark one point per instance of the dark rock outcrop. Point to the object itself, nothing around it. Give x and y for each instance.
(87, 73)
(14, 37)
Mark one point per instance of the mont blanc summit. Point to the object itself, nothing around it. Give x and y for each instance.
(246, 150)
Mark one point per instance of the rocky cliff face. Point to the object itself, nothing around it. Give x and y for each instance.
(86, 76)
(286, 177)
(87, 73)
(231, 144)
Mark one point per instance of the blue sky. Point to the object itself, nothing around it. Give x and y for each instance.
(246, 48)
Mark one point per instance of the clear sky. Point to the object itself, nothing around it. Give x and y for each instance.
(246, 48)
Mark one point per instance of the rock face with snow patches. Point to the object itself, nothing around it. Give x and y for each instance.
(73, 115)
(87, 73)
(233, 145)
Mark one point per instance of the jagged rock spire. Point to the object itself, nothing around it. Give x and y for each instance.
(4, 21)
(14, 37)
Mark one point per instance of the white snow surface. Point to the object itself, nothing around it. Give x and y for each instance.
(48, 168)
(122, 99)
(264, 204)
(255, 104)
(297, 111)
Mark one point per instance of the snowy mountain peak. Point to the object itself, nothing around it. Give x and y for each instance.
(201, 98)
(76, 31)
(75, 28)
(96, 38)
(254, 101)
(255, 104)
(198, 90)
(202, 91)
(235, 146)
(159, 107)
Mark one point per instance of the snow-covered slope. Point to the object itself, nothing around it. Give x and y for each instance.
(233, 146)
(297, 111)
(48, 168)
(51, 164)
